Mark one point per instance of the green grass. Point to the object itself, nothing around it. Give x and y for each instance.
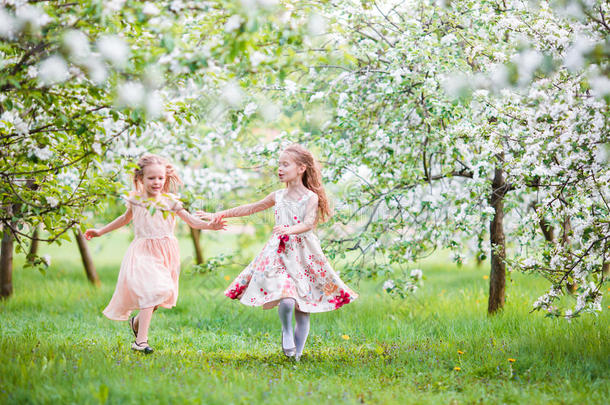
(56, 347)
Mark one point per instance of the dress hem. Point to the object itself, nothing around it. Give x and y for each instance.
(274, 303)
(162, 305)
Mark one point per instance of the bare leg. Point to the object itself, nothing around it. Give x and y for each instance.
(144, 318)
(136, 319)
(285, 310)
(301, 330)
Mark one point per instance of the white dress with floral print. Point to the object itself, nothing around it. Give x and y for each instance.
(294, 268)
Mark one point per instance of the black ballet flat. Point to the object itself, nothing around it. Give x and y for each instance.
(139, 347)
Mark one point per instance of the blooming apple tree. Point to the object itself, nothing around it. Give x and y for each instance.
(469, 124)
(88, 86)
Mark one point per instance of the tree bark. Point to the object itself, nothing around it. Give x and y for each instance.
(497, 277)
(6, 265)
(34, 244)
(86, 256)
(195, 233)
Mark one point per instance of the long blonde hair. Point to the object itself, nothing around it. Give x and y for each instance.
(312, 177)
(172, 180)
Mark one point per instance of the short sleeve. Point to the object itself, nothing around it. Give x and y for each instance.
(130, 199)
(174, 202)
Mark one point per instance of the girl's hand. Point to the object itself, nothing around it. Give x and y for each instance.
(92, 233)
(204, 216)
(281, 230)
(216, 218)
(221, 225)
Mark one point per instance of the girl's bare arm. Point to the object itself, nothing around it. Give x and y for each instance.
(120, 221)
(197, 223)
(244, 210)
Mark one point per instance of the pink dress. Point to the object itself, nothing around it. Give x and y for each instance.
(151, 266)
(294, 268)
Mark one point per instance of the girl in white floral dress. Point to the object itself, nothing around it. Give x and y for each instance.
(291, 272)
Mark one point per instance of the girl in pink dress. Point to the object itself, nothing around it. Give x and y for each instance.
(148, 277)
(291, 272)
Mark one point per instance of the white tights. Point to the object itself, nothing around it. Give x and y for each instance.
(301, 329)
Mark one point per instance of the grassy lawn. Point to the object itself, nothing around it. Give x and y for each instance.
(56, 346)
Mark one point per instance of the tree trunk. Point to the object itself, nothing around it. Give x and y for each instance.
(6, 265)
(195, 233)
(497, 277)
(86, 256)
(34, 244)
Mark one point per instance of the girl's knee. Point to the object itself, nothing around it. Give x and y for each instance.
(288, 302)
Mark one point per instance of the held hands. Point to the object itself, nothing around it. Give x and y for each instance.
(212, 218)
(220, 225)
(92, 233)
(215, 221)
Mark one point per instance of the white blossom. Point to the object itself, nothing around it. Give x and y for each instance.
(233, 23)
(97, 148)
(270, 111)
(256, 58)
(574, 58)
(317, 96)
(250, 109)
(8, 25)
(388, 285)
(77, 44)
(46, 260)
(53, 70)
(52, 201)
(43, 153)
(113, 6)
(114, 50)
(416, 274)
(154, 105)
(448, 40)
(131, 94)
(600, 85)
(96, 71)
(32, 72)
(290, 86)
(176, 6)
(31, 16)
(232, 94)
(316, 25)
(150, 9)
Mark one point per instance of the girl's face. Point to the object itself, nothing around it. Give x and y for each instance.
(289, 170)
(153, 179)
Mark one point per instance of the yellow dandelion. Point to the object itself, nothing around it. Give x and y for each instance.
(511, 360)
(345, 337)
(460, 352)
(456, 368)
(227, 278)
(485, 277)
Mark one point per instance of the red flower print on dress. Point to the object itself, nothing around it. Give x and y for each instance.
(341, 299)
(283, 240)
(235, 291)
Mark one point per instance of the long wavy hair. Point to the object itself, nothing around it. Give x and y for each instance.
(312, 177)
(172, 180)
